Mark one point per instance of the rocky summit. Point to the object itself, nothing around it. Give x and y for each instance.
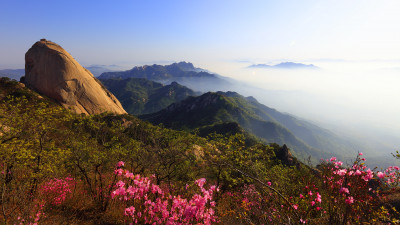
(53, 72)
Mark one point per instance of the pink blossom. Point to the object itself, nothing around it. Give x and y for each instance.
(120, 164)
(129, 211)
(120, 183)
(200, 182)
(360, 154)
(333, 159)
(342, 172)
(318, 199)
(295, 206)
(344, 190)
(159, 207)
(119, 171)
(350, 200)
(269, 183)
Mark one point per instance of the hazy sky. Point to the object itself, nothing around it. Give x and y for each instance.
(205, 32)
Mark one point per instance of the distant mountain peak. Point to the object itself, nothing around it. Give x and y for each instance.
(161, 73)
(186, 66)
(284, 65)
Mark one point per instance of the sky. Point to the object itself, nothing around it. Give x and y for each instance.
(207, 33)
(355, 43)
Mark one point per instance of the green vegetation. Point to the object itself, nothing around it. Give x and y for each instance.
(214, 111)
(60, 168)
(40, 141)
(142, 96)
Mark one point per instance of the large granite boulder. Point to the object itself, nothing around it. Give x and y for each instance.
(52, 71)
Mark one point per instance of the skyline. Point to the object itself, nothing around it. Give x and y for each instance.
(207, 33)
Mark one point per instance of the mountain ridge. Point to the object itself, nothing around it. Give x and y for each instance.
(142, 96)
(214, 108)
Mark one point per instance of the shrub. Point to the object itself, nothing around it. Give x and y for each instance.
(148, 203)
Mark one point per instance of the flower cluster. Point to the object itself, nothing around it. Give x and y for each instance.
(352, 191)
(149, 204)
(56, 191)
(38, 208)
(390, 176)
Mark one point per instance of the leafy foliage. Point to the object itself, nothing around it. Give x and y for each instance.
(58, 167)
(221, 109)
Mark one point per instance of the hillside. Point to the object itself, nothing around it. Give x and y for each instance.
(217, 108)
(142, 96)
(50, 151)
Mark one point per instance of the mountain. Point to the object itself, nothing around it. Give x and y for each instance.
(158, 72)
(183, 72)
(142, 96)
(284, 65)
(215, 108)
(15, 74)
(97, 70)
(53, 72)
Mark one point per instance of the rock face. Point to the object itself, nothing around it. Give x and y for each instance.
(53, 72)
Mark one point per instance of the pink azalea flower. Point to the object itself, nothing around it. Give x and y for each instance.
(350, 200)
(120, 164)
(119, 171)
(130, 211)
(380, 175)
(318, 199)
(360, 154)
(342, 172)
(344, 190)
(200, 182)
(120, 183)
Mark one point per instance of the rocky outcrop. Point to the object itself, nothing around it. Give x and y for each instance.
(285, 156)
(52, 71)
